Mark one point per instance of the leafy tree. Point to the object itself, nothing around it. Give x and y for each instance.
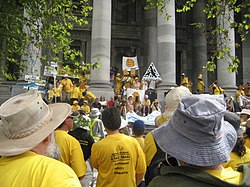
(225, 10)
(43, 24)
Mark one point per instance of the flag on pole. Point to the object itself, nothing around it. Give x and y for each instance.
(152, 74)
(129, 63)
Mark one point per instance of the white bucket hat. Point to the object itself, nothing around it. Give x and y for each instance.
(245, 111)
(94, 113)
(173, 99)
(26, 120)
(197, 134)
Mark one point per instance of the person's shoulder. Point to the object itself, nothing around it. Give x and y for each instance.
(71, 138)
(149, 136)
(50, 163)
(130, 139)
(64, 175)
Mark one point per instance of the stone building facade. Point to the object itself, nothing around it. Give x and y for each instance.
(124, 28)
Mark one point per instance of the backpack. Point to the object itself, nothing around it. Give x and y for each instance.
(158, 161)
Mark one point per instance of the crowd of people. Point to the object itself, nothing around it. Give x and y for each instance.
(78, 139)
(79, 96)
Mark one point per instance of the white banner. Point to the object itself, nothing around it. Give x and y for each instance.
(131, 91)
(49, 71)
(129, 62)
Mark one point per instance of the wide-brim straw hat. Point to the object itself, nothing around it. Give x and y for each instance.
(26, 120)
(197, 134)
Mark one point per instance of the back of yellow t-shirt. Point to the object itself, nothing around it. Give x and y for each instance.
(150, 148)
(71, 152)
(118, 158)
(33, 170)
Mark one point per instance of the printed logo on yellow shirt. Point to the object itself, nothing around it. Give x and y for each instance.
(121, 160)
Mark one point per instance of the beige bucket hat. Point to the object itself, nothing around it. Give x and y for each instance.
(26, 120)
(173, 99)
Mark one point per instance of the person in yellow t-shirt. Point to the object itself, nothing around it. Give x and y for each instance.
(85, 107)
(184, 79)
(239, 92)
(25, 152)
(70, 148)
(200, 85)
(66, 88)
(216, 90)
(145, 106)
(90, 97)
(57, 93)
(75, 93)
(240, 154)
(118, 158)
(138, 130)
(75, 106)
(118, 83)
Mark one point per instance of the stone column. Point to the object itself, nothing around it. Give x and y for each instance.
(199, 44)
(34, 54)
(100, 48)
(32, 59)
(150, 31)
(246, 59)
(226, 79)
(166, 42)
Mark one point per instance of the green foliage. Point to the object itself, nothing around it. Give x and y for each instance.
(80, 70)
(220, 12)
(46, 25)
(160, 4)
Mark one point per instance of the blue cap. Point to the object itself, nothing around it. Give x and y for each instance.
(139, 124)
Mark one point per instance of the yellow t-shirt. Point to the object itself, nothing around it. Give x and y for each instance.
(66, 85)
(54, 92)
(185, 80)
(71, 152)
(150, 148)
(57, 91)
(247, 143)
(146, 102)
(118, 84)
(161, 119)
(200, 86)
(227, 174)
(239, 93)
(118, 158)
(236, 161)
(141, 142)
(50, 94)
(86, 108)
(75, 107)
(90, 96)
(32, 170)
(75, 93)
(218, 91)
